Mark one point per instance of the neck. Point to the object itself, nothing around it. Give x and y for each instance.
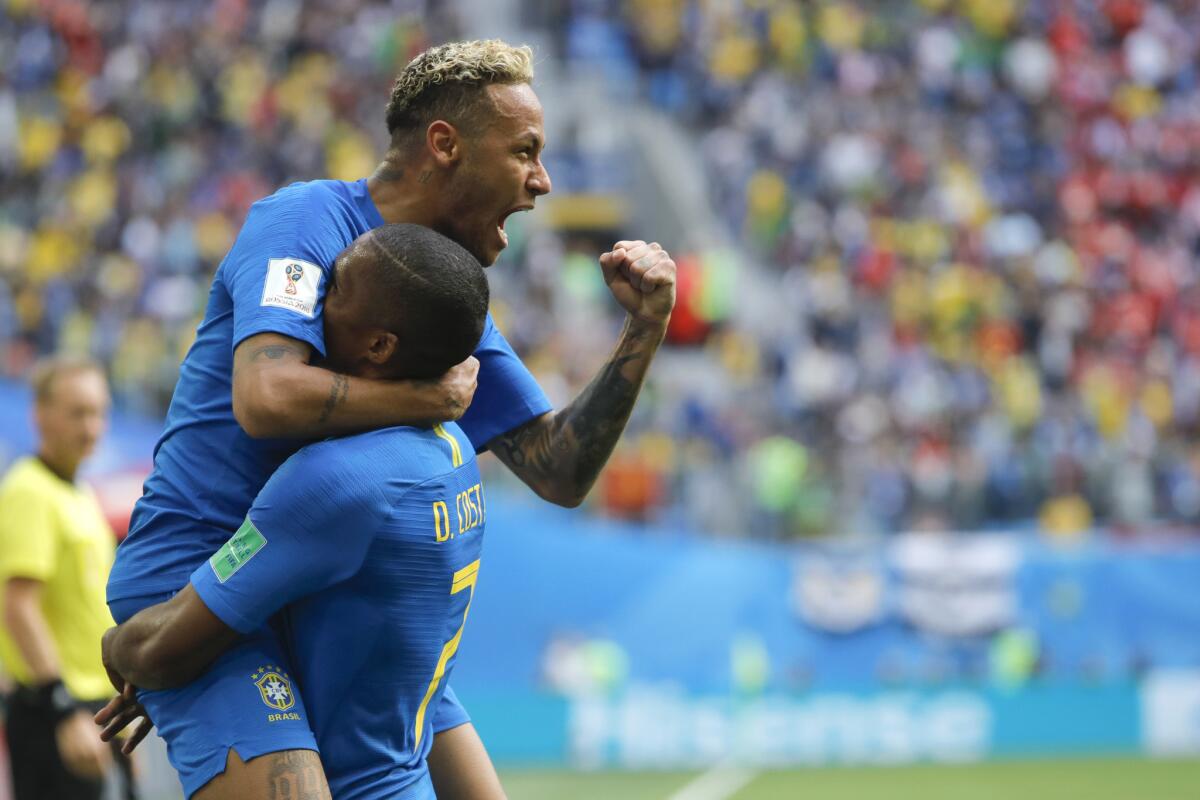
(405, 192)
(62, 467)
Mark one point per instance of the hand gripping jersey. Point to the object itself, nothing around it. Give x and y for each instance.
(373, 543)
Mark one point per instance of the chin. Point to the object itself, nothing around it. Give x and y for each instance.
(488, 257)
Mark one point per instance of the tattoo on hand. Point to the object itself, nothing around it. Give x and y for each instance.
(337, 396)
(296, 775)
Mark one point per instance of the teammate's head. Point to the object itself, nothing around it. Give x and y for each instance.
(70, 409)
(467, 112)
(403, 302)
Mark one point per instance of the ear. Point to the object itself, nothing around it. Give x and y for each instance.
(381, 347)
(443, 142)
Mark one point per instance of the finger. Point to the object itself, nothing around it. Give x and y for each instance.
(635, 254)
(647, 261)
(119, 723)
(638, 270)
(140, 733)
(661, 275)
(628, 244)
(110, 708)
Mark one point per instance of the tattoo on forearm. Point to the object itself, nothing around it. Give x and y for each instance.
(574, 444)
(337, 396)
(296, 775)
(539, 446)
(599, 416)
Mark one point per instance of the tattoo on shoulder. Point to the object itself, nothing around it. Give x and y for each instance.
(275, 352)
(337, 396)
(296, 775)
(269, 352)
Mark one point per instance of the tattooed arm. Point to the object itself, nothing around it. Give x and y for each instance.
(559, 455)
(278, 393)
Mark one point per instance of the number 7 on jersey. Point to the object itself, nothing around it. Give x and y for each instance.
(464, 581)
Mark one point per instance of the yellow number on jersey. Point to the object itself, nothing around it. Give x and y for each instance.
(464, 580)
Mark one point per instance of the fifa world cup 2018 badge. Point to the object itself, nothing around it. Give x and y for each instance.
(294, 273)
(275, 687)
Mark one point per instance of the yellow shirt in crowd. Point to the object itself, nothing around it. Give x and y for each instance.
(53, 531)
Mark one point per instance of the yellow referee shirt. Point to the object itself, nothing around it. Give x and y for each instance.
(54, 532)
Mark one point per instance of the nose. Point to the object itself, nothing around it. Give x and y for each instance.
(538, 183)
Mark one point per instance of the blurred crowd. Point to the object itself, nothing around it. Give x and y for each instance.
(972, 226)
(979, 221)
(133, 138)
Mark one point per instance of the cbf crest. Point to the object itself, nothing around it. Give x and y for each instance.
(275, 686)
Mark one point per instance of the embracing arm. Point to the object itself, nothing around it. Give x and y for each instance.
(278, 393)
(560, 454)
(167, 644)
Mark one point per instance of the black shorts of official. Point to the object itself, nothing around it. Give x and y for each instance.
(38, 772)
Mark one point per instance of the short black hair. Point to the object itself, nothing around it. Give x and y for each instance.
(429, 291)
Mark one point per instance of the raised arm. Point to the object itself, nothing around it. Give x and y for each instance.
(278, 393)
(167, 644)
(560, 454)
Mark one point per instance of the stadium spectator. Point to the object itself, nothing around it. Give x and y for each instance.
(55, 553)
(978, 223)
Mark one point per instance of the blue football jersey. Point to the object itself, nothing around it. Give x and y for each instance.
(207, 471)
(374, 540)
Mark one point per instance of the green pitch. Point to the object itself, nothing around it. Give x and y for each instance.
(1108, 779)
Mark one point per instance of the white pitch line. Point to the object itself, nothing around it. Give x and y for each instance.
(718, 783)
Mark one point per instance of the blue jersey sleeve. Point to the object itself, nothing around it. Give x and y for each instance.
(276, 272)
(507, 396)
(309, 528)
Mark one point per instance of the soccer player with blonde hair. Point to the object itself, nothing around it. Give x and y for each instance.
(466, 143)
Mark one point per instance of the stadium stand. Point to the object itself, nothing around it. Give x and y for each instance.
(979, 221)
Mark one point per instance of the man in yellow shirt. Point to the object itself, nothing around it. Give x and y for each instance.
(55, 553)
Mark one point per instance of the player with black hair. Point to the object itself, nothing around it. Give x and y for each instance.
(465, 154)
(353, 535)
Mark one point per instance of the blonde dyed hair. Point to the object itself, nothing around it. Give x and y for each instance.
(445, 82)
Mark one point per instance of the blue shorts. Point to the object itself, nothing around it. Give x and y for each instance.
(246, 701)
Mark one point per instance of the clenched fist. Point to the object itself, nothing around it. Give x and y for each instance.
(642, 278)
